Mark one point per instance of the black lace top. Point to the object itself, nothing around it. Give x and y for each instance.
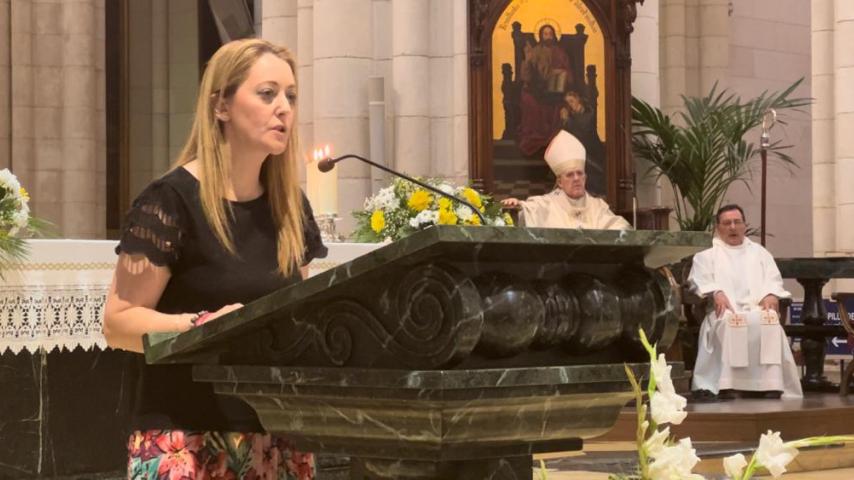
(167, 225)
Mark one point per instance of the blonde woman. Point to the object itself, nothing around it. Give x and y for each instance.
(227, 225)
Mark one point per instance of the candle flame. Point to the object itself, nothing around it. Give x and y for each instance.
(320, 153)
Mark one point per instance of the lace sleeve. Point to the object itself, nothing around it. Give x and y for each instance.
(152, 226)
(314, 247)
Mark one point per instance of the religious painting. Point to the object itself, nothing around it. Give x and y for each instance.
(548, 74)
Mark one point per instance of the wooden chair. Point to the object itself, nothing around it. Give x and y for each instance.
(840, 298)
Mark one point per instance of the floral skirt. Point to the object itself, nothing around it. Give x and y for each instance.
(185, 455)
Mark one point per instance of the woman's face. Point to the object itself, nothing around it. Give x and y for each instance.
(260, 114)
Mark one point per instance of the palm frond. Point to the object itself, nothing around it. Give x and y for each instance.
(707, 153)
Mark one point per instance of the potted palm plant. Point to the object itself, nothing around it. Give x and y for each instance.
(704, 152)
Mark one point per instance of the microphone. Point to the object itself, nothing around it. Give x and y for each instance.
(328, 164)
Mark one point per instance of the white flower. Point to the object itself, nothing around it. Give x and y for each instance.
(464, 213)
(668, 408)
(773, 454)
(656, 443)
(734, 465)
(499, 222)
(446, 188)
(661, 373)
(424, 217)
(675, 462)
(10, 181)
(21, 218)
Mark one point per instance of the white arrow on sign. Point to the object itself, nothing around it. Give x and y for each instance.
(836, 341)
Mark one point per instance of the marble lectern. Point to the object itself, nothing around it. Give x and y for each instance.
(455, 353)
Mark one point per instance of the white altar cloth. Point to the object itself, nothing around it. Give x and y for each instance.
(55, 299)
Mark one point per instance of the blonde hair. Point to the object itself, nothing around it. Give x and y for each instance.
(226, 70)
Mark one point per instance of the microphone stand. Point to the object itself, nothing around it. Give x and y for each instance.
(328, 164)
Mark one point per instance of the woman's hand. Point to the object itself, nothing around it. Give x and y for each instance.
(510, 202)
(207, 317)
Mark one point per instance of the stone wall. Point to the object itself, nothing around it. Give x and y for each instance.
(52, 132)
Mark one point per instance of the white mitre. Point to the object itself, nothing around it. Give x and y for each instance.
(565, 153)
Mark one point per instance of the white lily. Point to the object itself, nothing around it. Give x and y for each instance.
(675, 462)
(661, 373)
(668, 408)
(773, 454)
(657, 442)
(734, 466)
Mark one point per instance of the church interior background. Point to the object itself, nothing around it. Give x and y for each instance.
(97, 96)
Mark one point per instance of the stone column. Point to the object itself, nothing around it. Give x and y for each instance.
(823, 128)
(5, 88)
(460, 154)
(279, 22)
(304, 50)
(673, 37)
(58, 134)
(713, 22)
(646, 85)
(342, 63)
(411, 85)
(843, 95)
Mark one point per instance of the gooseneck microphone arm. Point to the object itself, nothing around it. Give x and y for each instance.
(328, 164)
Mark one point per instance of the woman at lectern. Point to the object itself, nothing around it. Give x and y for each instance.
(227, 225)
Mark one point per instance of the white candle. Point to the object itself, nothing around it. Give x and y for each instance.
(635, 212)
(658, 192)
(322, 188)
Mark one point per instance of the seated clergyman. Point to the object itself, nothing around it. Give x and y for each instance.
(742, 345)
(568, 205)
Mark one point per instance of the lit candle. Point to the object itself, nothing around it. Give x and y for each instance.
(322, 188)
(635, 212)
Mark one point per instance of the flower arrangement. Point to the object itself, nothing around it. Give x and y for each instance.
(661, 457)
(15, 220)
(403, 208)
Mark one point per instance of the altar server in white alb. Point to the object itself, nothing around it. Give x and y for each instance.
(569, 205)
(742, 345)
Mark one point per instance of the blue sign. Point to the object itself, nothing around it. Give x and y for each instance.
(835, 345)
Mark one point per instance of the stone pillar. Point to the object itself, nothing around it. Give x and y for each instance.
(646, 85)
(443, 80)
(713, 22)
(183, 74)
(673, 37)
(460, 153)
(823, 128)
(5, 88)
(411, 85)
(279, 22)
(304, 50)
(342, 64)
(160, 118)
(843, 94)
(58, 129)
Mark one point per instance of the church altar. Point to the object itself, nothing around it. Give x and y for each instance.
(55, 299)
(68, 398)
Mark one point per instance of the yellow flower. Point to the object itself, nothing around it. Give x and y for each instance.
(472, 196)
(508, 220)
(419, 200)
(24, 194)
(447, 217)
(377, 221)
(474, 220)
(444, 203)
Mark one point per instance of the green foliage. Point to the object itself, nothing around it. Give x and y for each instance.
(704, 155)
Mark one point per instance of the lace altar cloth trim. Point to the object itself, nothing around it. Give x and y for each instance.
(63, 317)
(55, 299)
